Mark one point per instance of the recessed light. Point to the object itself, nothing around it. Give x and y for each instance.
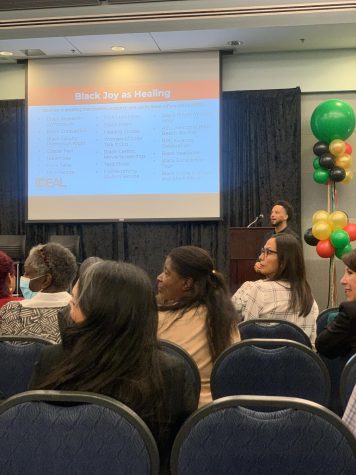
(235, 43)
(6, 53)
(118, 49)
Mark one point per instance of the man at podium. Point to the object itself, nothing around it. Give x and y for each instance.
(281, 213)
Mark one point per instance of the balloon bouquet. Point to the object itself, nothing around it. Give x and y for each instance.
(332, 122)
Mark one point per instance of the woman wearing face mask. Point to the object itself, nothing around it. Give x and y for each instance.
(7, 279)
(339, 337)
(195, 310)
(284, 293)
(49, 271)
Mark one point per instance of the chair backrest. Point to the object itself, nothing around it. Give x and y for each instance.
(265, 328)
(334, 365)
(17, 362)
(71, 242)
(325, 317)
(270, 367)
(14, 246)
(347, 380)
(65, 432)
(191, 369)
(299, 437)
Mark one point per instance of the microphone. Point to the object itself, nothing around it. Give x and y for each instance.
(260, 216)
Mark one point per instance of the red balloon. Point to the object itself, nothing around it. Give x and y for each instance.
(325, 248)
(348, 148)
(351, 231)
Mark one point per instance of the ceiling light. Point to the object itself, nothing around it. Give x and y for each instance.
(118, 49)
(235, 43)
(6, 53)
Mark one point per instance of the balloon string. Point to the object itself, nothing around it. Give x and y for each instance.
(332, 294)
(332, 283)
(336, 197)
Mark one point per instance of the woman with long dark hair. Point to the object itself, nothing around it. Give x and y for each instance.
(112, 349)
(195, 309)
(284, 293)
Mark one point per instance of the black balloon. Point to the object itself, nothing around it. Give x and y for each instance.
(309, 238)
(320, 148)
(337, 174)
(327, 161)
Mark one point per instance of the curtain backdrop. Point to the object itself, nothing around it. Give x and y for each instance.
(260, 163)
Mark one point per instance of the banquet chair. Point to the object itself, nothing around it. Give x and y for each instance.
(273, 328)
(299, 437)
(270, 367)
(324, 318)
(71, 433)
(17, 362)
(347, 380)
(334, 365)
(191, 369)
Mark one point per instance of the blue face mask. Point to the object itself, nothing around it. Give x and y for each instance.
(25, 287)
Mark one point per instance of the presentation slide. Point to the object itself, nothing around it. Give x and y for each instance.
(124, 138)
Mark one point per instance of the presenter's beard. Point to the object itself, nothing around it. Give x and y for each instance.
(277, 223)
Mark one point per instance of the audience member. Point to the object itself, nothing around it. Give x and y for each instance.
(195, 309)
(64, 318)
(7, 280)
(49, 271)
(112, 349)
(339, 337)
(349, 417)
(284, 293)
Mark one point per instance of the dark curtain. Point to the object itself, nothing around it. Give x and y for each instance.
(261, 143)
(260, 163)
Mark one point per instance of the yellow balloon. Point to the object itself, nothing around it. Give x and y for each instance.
(338, 220)
(320, 215)
(348, 177)
(337, 147)
(321, 230)
(344, 161)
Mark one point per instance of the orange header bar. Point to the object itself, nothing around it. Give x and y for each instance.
(155, 92)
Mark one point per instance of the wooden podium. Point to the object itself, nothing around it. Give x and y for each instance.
(245, 245)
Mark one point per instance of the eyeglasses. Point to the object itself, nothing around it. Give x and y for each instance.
(267, 252)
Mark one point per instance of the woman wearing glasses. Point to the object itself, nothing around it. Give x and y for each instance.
(284, 293)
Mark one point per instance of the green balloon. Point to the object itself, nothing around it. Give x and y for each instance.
(316, 163)
(333, 119)
(321, 175)
(339, 239)
(340, 252)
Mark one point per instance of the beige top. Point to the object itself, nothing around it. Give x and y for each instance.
(189, 332)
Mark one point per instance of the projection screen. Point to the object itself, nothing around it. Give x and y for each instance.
(124, 138)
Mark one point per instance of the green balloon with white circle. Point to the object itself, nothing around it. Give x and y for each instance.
(339, 238)
(333, 119)
(321, 175)
(316, 164)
